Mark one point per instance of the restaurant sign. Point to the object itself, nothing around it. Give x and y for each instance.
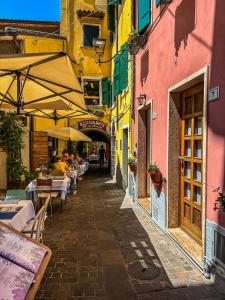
(92, 124)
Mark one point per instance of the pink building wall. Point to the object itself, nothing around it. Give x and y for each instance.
(189, 35)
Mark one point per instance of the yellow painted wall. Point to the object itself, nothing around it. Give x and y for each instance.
(71, 27)
(124, 103)
(40, 44)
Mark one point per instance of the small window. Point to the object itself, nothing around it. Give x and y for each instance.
(220, 247)
(91, 91)
(90, 32)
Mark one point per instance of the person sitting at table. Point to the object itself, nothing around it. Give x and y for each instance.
(78, 158)
(70, 160)
(61, 165)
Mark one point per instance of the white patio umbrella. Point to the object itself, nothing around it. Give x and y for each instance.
(68, 133)
(28, 79)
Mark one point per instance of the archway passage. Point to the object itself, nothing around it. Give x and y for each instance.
(91, 149)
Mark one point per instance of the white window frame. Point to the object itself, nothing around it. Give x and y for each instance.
(100, 86)
(82, 39)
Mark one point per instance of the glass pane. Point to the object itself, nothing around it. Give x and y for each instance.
(187, 169)
(198, 149)
(198, 125)
(197, 195)
(187, 148)
(198, 103)
(197, 172)
(187, 190)
(188, 127)
(187, 211)
(188, 105)
(197, 217)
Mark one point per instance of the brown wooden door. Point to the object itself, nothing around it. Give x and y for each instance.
(39, 150)
(191, 161)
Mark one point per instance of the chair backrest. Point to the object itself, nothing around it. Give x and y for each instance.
(12, 195)
(44, 183)
(38, 224)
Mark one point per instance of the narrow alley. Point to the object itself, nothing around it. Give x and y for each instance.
(104, 247)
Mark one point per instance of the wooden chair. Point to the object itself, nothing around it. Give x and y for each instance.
(44, 189)
(35, 227)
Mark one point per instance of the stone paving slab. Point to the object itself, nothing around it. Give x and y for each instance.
(102, 246)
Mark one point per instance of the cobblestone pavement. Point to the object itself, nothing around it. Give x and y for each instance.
(105, 248)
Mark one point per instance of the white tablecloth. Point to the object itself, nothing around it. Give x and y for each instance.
(93, 157)
(57, 185)
(83, 168)
(20, 219)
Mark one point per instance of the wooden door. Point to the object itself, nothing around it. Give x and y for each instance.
(191, 161)
(148, 148)
(39, 150)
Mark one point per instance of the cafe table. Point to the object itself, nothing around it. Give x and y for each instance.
(17, 214)
(83, 168)
(59, 183)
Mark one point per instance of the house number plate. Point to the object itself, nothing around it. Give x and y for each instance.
(214, 94)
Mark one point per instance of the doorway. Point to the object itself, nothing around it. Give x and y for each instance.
(144, 156)
(125, 158)
(191, 159)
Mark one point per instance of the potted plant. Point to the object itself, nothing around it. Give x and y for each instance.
(220, 199)
(155, 173)
(132, 164)
(134, 42)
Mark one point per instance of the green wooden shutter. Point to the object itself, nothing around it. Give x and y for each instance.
(105, 91)
(144, 14)
(116, 76)
(111, 17)
(123, 67)
(115, 2)
(110, 92)
(158, 2)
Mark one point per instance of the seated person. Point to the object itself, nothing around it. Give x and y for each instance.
(78, 158)
(61, 165)
(66, 158)
(70, 160)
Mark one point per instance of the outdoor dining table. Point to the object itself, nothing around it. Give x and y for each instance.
(83, 168)
(20, 218)
(58, 184)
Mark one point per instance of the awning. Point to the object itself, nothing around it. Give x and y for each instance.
(68, 133)
(36, 78)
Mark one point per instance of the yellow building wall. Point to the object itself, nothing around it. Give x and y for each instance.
(85, 61)
(41, 44)
(71, 27)
(122, 113)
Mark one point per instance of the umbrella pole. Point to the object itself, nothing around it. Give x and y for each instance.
(19, 96)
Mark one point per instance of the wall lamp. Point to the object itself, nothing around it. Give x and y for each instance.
(142, 99)
(99, 48)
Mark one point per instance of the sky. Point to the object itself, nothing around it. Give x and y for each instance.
(35, 10)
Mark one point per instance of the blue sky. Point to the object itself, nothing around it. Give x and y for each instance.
(36, 10)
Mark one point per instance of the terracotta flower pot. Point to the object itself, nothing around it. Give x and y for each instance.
(133, 167)
(156, 177)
